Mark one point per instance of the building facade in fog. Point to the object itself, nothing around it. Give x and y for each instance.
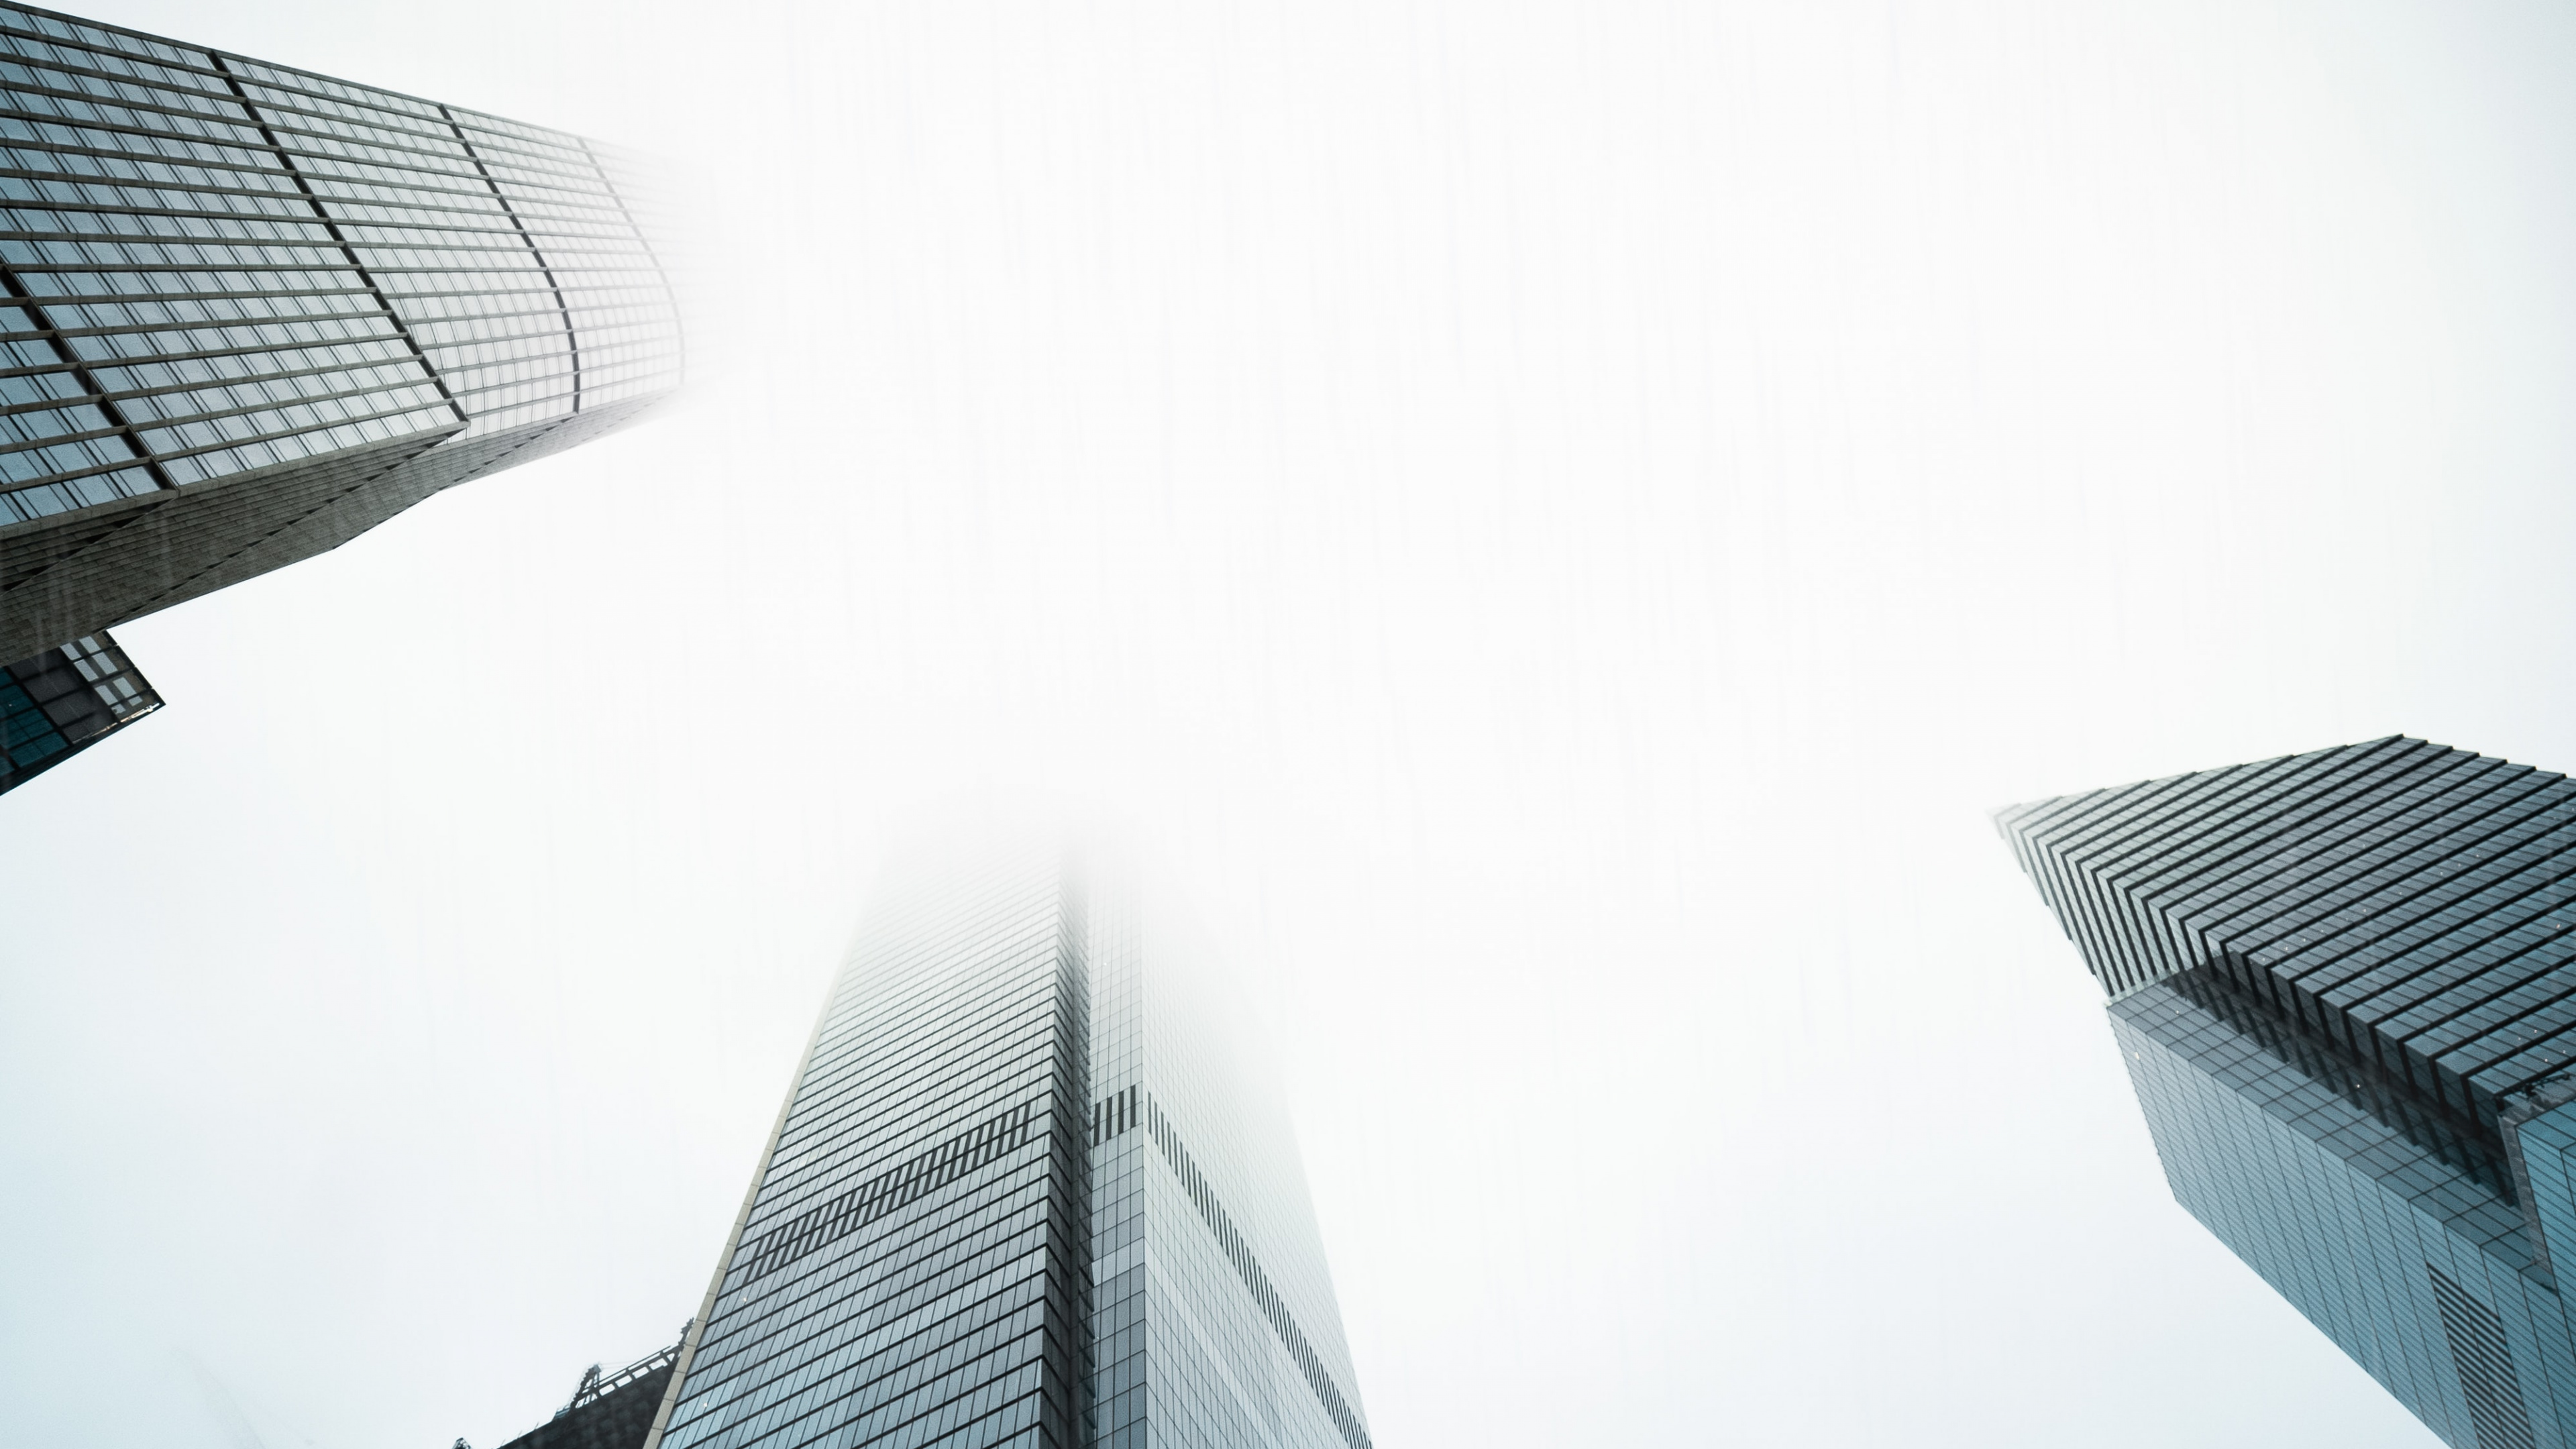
(1030, 1188)
(2344, 984)
(247, 313)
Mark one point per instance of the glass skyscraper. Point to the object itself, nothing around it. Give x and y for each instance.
(1030, 1188)
(2344, 985)
(248, 312)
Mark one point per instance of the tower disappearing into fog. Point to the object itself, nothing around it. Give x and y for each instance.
(1030, 1188)
(252, 312)
(2345, 987)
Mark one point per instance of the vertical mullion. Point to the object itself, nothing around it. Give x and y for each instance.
(679, 349)
(331, 225)
(572, 338)
(81, 374)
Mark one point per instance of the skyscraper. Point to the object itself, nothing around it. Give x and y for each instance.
(248, 313)
(1029, 1188)
(2344, 985)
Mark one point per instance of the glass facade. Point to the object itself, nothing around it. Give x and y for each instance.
(248, 312)
(1027, 1190)
(909, 1266)
(1215, 1323)
(62, 701)
(2344, 985)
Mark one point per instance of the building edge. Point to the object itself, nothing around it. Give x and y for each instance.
(741, 1218)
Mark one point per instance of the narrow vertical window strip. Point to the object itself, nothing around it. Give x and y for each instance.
(572, 337)
(661, 276)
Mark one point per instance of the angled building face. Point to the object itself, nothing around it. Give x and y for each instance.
(63, 701)
(1215, 1323)
(2344, 985)
(247, 313)
(1024, 1192)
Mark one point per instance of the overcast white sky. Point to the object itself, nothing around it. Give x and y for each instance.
(1566, 516)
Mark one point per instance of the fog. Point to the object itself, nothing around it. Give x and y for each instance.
(1562, 518)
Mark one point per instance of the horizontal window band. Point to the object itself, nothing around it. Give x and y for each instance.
(127, 465)
(128, 329)
(249, 253)
(92, 228)
(163, 424)
(379, 109)
(442, 350)
(385, 126)
(98, 326)
(91, 435)
(426, 318)
(294, 219)
(335, 252)
(327, 174)
(393, 351)
(196, 450)
(301, 210)
(401, 360)
(80, 394)
(325, 456)
(768, 1350)
(156, 420)
(475, 318)
(906, 1183)
(133, 487)
(122, 127)
(110, 299)
(142, 108)
(244, 256)
(225, 111)
(134, 342)
(51, 405)
(490, 403)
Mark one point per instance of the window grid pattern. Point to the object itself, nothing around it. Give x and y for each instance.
(909, 1271)
(820, 1226)
(62, 701)
(215, 270)
(2344, 986)
(1209, 1277)
(1256, 1281)
(894, 1255)
(2485, 1364)
(2415, 903)
(2340, 1214)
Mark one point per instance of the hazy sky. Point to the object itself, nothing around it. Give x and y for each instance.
(1564, 516)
